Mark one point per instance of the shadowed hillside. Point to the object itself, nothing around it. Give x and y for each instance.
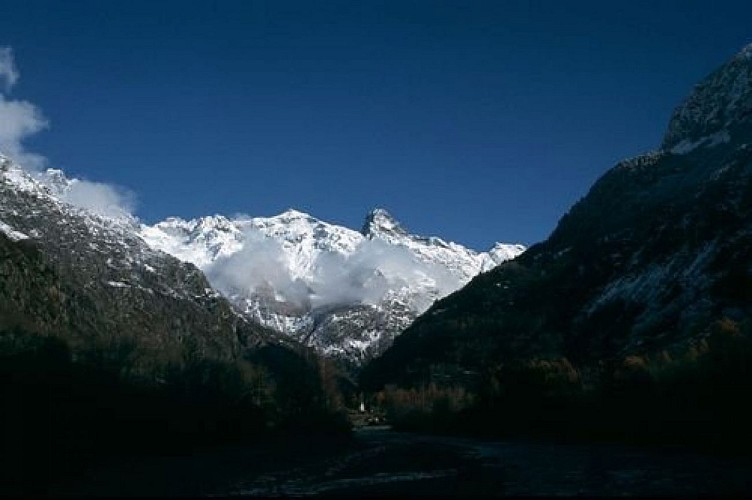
(643, 270)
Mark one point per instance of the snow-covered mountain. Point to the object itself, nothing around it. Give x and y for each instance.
(344, 292)
(347, 293)
(93, 280)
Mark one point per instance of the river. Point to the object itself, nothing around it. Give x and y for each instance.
(380, 462)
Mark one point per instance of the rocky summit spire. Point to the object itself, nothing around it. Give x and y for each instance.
(716, 107)
(346, 293)
(380, 222)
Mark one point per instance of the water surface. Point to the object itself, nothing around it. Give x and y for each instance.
(381, 462)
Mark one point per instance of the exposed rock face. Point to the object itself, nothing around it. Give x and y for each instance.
(660, 247)
(717, 104)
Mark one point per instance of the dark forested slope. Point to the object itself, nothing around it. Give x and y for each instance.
(652, 267)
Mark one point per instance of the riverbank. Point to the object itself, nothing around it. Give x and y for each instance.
(389, 463)
(377, 461)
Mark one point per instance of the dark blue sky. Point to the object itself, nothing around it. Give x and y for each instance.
(476, 121)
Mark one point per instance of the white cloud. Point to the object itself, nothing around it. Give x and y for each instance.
(8, 71)
(260, 264)
(366, 276)
(20, 120)
(104, 199)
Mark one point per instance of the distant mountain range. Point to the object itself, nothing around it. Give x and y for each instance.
(344, 292)
(659, 249)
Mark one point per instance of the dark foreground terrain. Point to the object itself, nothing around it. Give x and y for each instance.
(380, 462)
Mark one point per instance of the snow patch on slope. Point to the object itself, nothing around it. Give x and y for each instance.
(12, 233)
(686, 146)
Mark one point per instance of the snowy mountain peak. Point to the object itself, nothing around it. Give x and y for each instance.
(213, 222)
(177, 222)
(200, 226)
(505, 251)
(198, 241)
(51, 181)
(20, 179)
(379, 223)
(292, 213)
(345, 292)
(56, 181)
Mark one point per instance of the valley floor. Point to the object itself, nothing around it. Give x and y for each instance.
(380, 462)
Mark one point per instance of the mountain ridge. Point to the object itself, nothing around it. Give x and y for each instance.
(347, 293)
(656, 252)
(104, 264)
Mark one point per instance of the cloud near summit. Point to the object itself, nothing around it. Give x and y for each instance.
(366, 276)
(8, 71)
(21, 119)
(18, 119)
